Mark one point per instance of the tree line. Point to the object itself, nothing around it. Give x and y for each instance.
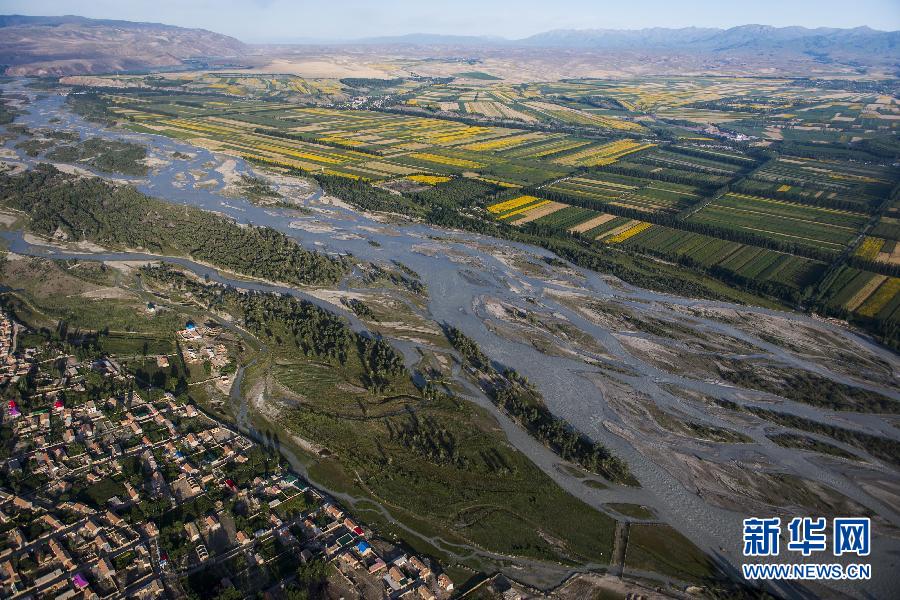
(523, 402)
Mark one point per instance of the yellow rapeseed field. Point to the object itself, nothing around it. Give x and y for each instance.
(869, 248)
(606, 154)
(628, 233)
(879, 299)
(528, 208)
(511, 204)
(429, 179)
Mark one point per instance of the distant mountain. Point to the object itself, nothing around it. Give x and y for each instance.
(749, 38)
(858, 46)
(656, 37)
(76, 45)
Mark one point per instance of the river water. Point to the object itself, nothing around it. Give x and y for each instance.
(461, 270)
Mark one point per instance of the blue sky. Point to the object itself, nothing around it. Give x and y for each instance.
(280, 20)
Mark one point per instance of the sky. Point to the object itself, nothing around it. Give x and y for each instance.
(259, 21)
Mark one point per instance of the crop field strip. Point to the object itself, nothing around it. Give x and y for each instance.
(816, 227)
(629, 192)
(376, 146)
(821, 182)
(746, 261)
(599, 188)
(868, 294)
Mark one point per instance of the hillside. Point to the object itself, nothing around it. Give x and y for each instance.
(77, 45)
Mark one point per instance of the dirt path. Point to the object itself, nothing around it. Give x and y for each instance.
(620, 543)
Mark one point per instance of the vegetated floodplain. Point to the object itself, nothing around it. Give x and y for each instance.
(120, 217)
(437, 462)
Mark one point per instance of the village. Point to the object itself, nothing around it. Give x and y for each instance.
(107, 493)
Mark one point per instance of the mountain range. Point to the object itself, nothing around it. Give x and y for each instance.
(71, 45)
(744, 37)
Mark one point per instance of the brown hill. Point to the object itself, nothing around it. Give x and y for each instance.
(76, 45)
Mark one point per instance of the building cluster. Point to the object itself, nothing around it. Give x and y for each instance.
(199, 345)
(125, 496)
(12, 365)
(381, 569)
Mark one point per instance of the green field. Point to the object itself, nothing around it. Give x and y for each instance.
(748, 262)
(628, 192)
(824, 229)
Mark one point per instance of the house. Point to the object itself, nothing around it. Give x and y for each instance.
(20, 502)
(10, 571)
(51, 522)
(105, 569)
(61, 555)
(242, 538)
(193, 532)
(113, 519)
(101, 542)
(376, 566)
(212, 522)
(445, 582)
(47, 578)
(150, 529)
(79, 581)
(16, 539)
(153, 589)
(334, 512)
(424, 592)
(349, 560)
(396, 574)
(420, 567)
(92, 527)
(132, 493)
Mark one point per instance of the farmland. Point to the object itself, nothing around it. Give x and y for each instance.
(824, 229)
(743, 180)
(369, 145)
(869, 295)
